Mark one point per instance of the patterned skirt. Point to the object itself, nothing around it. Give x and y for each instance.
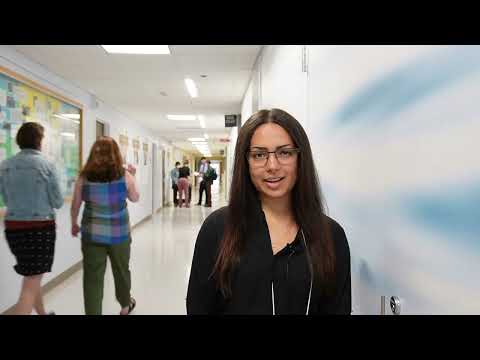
(33, 246)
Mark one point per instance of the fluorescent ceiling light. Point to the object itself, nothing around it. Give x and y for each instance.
(137, 49)
(196, 139)
(181, 117)
(191, 87)
(205, 136)
(201, 118)
(67, 134)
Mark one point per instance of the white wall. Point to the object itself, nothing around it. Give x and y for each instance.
(67, 251)
(394, 134)
(230, 159)
(157, 177)
(247, 103)
(283, 83)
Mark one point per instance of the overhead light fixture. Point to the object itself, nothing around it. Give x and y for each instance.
(196, 139)
(182, 117)
(67, 134)
(201, 118)
(137, 49)
(191, 87)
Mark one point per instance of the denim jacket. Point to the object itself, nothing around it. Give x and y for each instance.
(174, 176)
(29, 186)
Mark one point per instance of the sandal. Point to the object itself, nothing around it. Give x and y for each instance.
(132, 305)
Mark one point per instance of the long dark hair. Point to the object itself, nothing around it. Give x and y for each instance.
(105, 163)
(307, 201)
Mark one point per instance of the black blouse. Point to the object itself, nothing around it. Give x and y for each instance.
(252, 278)
(184, 172)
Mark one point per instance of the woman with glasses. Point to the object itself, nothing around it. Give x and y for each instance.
(272, 250)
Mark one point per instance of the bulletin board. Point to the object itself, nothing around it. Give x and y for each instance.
(22, 100)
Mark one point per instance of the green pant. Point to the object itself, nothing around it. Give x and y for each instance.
(94, 266)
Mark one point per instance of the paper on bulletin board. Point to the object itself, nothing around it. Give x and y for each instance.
(3, 98)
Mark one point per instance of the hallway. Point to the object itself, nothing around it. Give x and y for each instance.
(162, 251)
(392, 131)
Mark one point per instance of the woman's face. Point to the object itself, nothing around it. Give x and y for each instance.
(272, 178)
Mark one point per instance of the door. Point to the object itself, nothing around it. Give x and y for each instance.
(156, 176)
(165, 179)
(100, 129)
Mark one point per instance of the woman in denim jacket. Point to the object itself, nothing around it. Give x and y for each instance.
(30, 189)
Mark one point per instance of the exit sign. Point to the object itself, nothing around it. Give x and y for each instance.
(231, 120)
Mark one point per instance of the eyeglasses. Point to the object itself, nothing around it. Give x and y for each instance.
(285, 156)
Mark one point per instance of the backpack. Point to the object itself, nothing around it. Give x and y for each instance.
(210, 175)
(213, 175)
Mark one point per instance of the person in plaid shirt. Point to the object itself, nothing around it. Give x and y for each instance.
(105, 185)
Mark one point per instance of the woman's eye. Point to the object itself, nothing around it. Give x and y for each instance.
(285, 153)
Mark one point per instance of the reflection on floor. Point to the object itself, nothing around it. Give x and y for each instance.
(161, 256)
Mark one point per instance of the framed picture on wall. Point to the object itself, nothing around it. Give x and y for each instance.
(136, 150)
(123, 139)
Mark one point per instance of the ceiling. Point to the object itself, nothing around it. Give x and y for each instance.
(133, 84)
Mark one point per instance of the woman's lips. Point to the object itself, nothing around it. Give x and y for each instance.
(274, 183)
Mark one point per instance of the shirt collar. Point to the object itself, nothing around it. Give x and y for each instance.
(31, 151)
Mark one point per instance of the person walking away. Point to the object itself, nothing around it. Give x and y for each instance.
(105, 185)
(183, 184)
(29, 185)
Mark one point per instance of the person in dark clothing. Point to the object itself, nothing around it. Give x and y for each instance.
(208, 179)
(183, 184)
(272, 250)
(201, 171)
